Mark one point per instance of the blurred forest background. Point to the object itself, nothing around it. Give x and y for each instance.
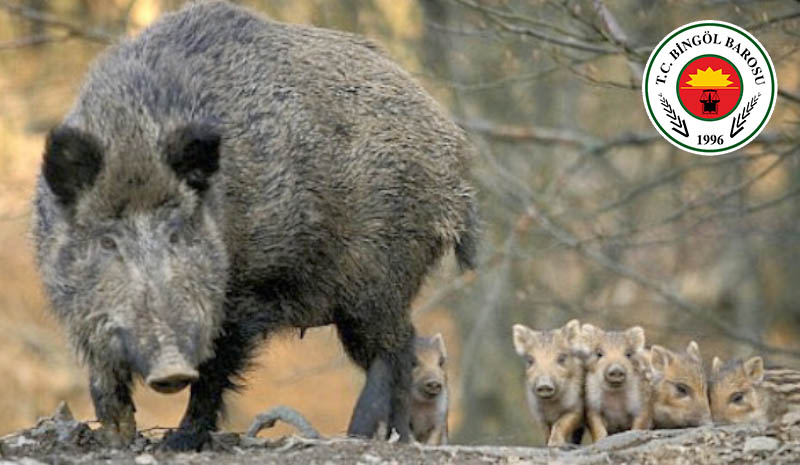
(588, 212)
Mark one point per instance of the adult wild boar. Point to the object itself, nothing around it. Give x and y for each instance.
(223, 176)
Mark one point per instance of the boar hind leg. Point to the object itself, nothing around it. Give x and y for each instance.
(111, 395)
(382, 346)
(206, 403)
(371, 412)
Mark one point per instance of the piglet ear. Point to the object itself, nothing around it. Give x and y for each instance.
(193, 154)
(694, 352)
(754, 369)
(523, 337)
(636, 337)
(716, 366)
(660, 358)
(438, 341)
(72, 160)
(572, 332)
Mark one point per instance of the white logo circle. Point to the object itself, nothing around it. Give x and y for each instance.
(709, 87)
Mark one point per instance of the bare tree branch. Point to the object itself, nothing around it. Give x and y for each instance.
(776, 19)
(497, 17)
(529, 133)
(94, 34)
(795, 98)
(729, 330)
(619, 37)
(31, 40)
(547, 135)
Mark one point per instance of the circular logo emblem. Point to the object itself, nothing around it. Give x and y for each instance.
(709, 87)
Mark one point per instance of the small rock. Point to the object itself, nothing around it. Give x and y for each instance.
(145, 459)
(246, 441)
(369, 458)
(139, 444)
(63, 413)
(791, 418)
(225, 439)
(20, 442)
(761, 444)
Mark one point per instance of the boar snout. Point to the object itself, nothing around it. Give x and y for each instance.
(430, 387)
(615, 374)
(171, 374)
(433, 387)
(544, 388)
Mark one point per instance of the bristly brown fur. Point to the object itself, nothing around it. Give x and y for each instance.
(253, 176)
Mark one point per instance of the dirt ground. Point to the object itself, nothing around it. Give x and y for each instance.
(62, 440)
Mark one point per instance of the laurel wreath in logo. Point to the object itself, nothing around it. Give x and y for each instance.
(678, 123)
(738, 122)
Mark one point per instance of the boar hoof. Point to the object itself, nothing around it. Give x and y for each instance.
(115, 437)
(120, 433)
(180, 440)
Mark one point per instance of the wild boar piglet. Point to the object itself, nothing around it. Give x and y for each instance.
(553, 380)
(680, 388)
(617, 380)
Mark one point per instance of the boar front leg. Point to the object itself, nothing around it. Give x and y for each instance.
(563, 429)
(231, 353)
(597, 426)
(111, 395)
(438, 436)
(643, 421)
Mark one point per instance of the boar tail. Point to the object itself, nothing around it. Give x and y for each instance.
(466, 246)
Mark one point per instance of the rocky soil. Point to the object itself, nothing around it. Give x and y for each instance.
(62, 440)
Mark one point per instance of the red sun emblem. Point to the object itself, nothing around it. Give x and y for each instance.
(709, 87)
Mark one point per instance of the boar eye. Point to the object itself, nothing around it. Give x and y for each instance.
(737, 398)
(629, 353)
(529, 360)
(683, 390)
(108, 243)
(599, 353)
(562, 359)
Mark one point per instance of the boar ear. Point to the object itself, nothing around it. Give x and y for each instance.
(716, 366)
(523, 337)
(72, 161)
(754, 369)
(636, 336)
(193, 154)
(693, 350)
(438, 341)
